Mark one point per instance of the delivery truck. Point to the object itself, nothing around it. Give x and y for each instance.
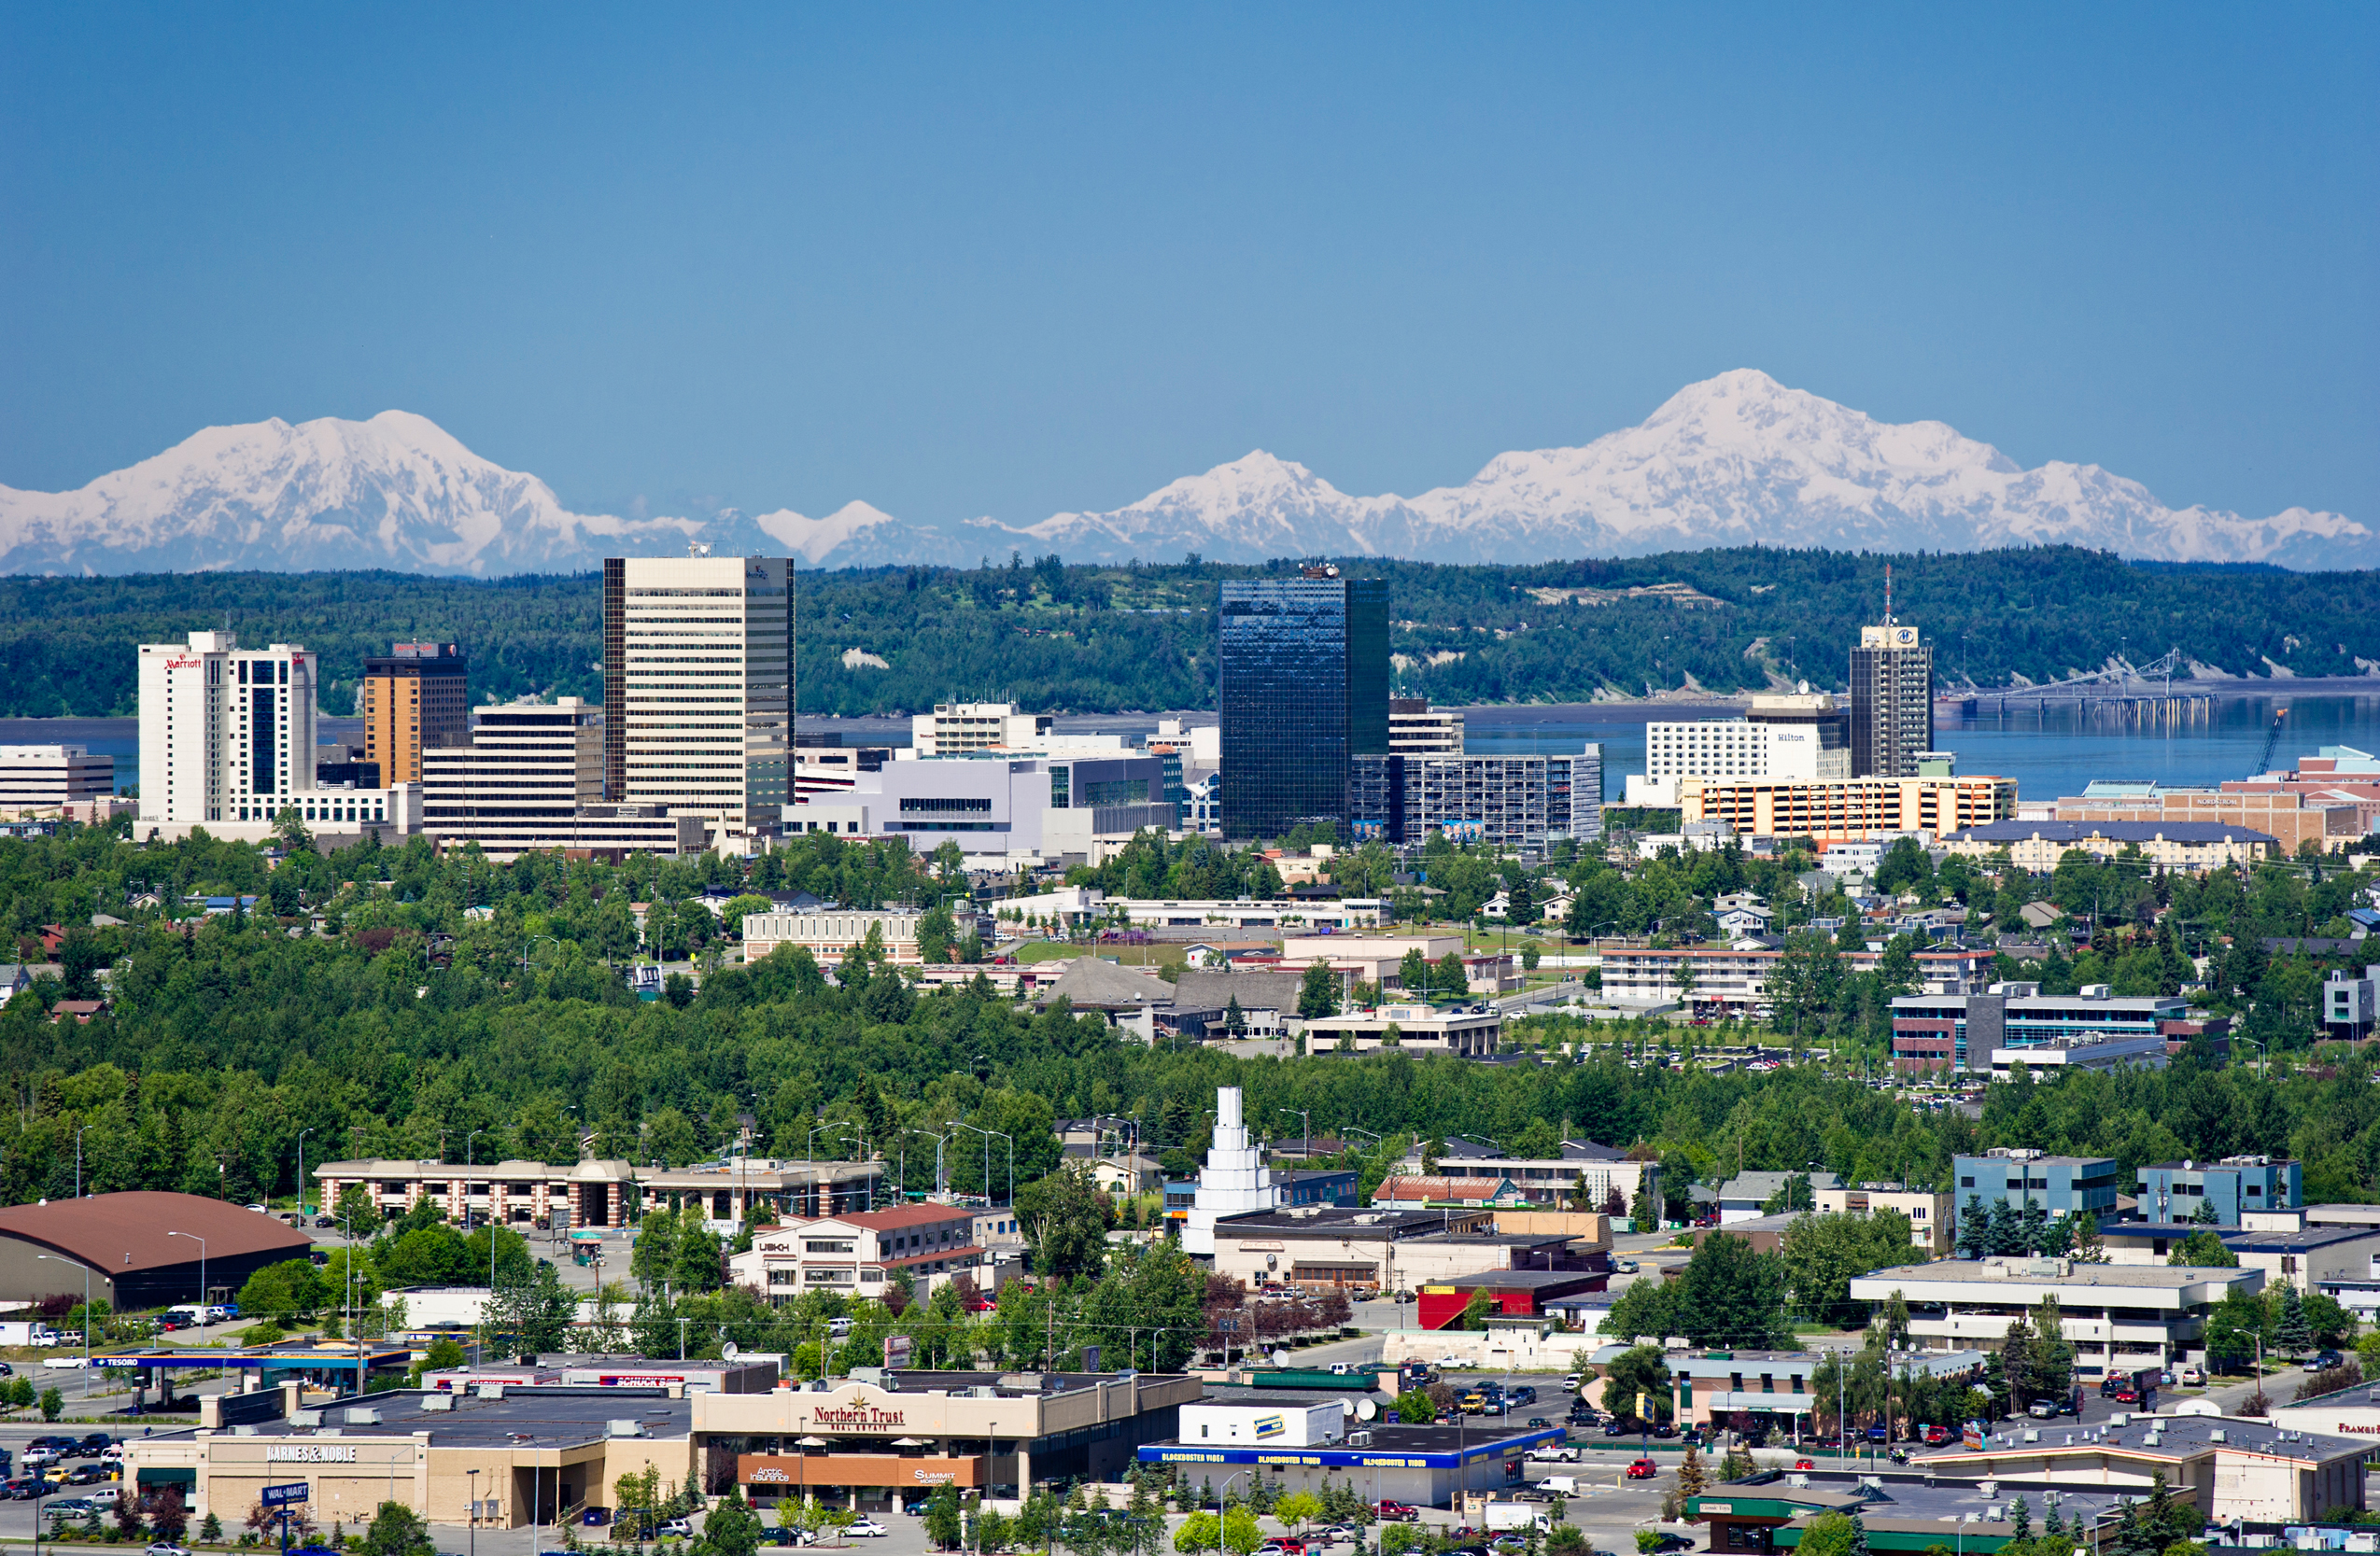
(28, 1332)
(1502, 1516)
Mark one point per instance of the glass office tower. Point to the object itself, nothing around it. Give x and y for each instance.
(1303, 688)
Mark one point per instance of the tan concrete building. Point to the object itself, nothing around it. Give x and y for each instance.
(2289, 818)
(2230, 1468)
(416, 696)
(602, 1193)
(2193, 847)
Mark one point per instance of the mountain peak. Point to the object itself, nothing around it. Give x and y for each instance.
(1738, 459)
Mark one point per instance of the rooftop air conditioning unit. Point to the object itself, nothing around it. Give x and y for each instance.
(490, 1391)
(242, 1431)
(626, 1428)
(305, 1417)
(2215, 1436)
(437, 1402)
(1797, 1479)
(359, 1416)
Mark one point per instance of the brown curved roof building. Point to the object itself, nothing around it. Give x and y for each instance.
(127, 1242)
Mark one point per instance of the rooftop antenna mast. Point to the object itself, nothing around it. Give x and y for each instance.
(1887, 593)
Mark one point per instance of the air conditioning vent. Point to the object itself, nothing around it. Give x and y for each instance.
(305, 1417)
(627, 1427)
(437, 1401)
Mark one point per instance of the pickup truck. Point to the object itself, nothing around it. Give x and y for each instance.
(1395, 1512)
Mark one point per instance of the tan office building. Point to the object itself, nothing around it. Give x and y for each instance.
(419, 696)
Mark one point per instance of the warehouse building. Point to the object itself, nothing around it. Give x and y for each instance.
(2234, 1470)
(140, 1249)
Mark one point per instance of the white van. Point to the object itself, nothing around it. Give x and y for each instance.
(1559, 1485)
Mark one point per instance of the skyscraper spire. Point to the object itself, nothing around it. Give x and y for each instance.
(1887, 593)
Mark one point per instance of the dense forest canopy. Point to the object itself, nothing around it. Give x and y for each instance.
(1105, 638)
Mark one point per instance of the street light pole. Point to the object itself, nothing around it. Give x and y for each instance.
(202, 1272)
(55, 1258)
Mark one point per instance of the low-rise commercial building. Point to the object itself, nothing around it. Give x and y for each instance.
(2290, 819)
(1773, 1510)
(46, 779)
(886, 1439)
(2083, 1053)
(831, 934)
(2233, 1470)
(1752, 1390)
(2022, 1178)
(1585, 1174)
(1932, 1215)
(1001, 810)
(1420, 1465)
(2313, 1259)
(2193, 848)
(2351, 1003)
(2230, 1188)
(1469, 1034)
(1963, 1029)
(1734, 980)
(1510, 1293)
(522, 1454)
(2117, 1317)
(859, 1255)
(600, 1192)
(1325, 1247)
(124, 1249)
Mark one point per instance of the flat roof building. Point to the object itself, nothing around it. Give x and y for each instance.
(2117, 1317)
(416, 697)
(1423, 1466)
(2230, 1188)
(48, 778)
(2190, 847)
(1965, 1030)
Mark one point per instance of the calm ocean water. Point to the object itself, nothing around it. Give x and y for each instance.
(2048, 753)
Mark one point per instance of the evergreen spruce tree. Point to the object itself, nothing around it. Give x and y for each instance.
(2293, 1335)
(1859, 1535)
(2019, 1519)
(2055, 1524)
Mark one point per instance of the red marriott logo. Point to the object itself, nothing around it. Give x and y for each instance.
(865, 1417)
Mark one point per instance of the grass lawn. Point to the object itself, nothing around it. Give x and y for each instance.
(1153, 957)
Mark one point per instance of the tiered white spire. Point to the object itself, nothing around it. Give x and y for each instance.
(1235, 1180)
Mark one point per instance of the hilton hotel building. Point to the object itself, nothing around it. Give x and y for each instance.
(698, 687)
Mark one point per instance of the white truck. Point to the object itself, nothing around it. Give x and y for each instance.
(1559, 1485)
(28, 1332)
(1515, 1515)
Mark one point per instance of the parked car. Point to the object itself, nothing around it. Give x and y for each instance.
(677, 1528)
(867, 1529)
(1937, 1435)
(90, 1475)
(322, 1221)
(1395, 1512)
(25, 1488)
(97, 1443)
(1333, 1533)
(1664, 1429)
(1556, 1453)
(2042, 1409)
(67, 1507)
(2324, 1361)
(167, 1548)
(2192, 1374)
(1643, 1469)
(2125, 1395)
(1281, 1547)
(1805, 1464)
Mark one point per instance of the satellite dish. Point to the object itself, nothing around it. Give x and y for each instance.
(730, 1351)
(1367, 1410)
(1280, 1357)
(1347, 1405)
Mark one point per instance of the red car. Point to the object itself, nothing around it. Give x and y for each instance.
(1936, 1435)
(1396, 1512)
(1805, 1464)
(1643, 1469)
(2127, 1397)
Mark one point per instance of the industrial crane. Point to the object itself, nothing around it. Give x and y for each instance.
(2271, 739)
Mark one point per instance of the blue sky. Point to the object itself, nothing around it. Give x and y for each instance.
(1009, 261)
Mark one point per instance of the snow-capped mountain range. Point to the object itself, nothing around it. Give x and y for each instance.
(1733, 460)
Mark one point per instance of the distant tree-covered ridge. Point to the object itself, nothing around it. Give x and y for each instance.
(1141, 636)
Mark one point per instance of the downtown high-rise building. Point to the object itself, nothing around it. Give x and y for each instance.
(1302, 685)
(416, 697)
(1892, 700)
(698, 687)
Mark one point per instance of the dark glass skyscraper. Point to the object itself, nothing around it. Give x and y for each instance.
(1303, 687)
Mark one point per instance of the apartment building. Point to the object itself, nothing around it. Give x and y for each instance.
(416, 697)
(1527, 803)
(698, 687)
(1848, 810)
(2191, 846)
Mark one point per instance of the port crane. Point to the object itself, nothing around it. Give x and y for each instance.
(2271, 739)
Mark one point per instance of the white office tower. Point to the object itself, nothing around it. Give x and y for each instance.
(1235, 1180)
(698, 687)
(226, 743)
(1798, 737)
